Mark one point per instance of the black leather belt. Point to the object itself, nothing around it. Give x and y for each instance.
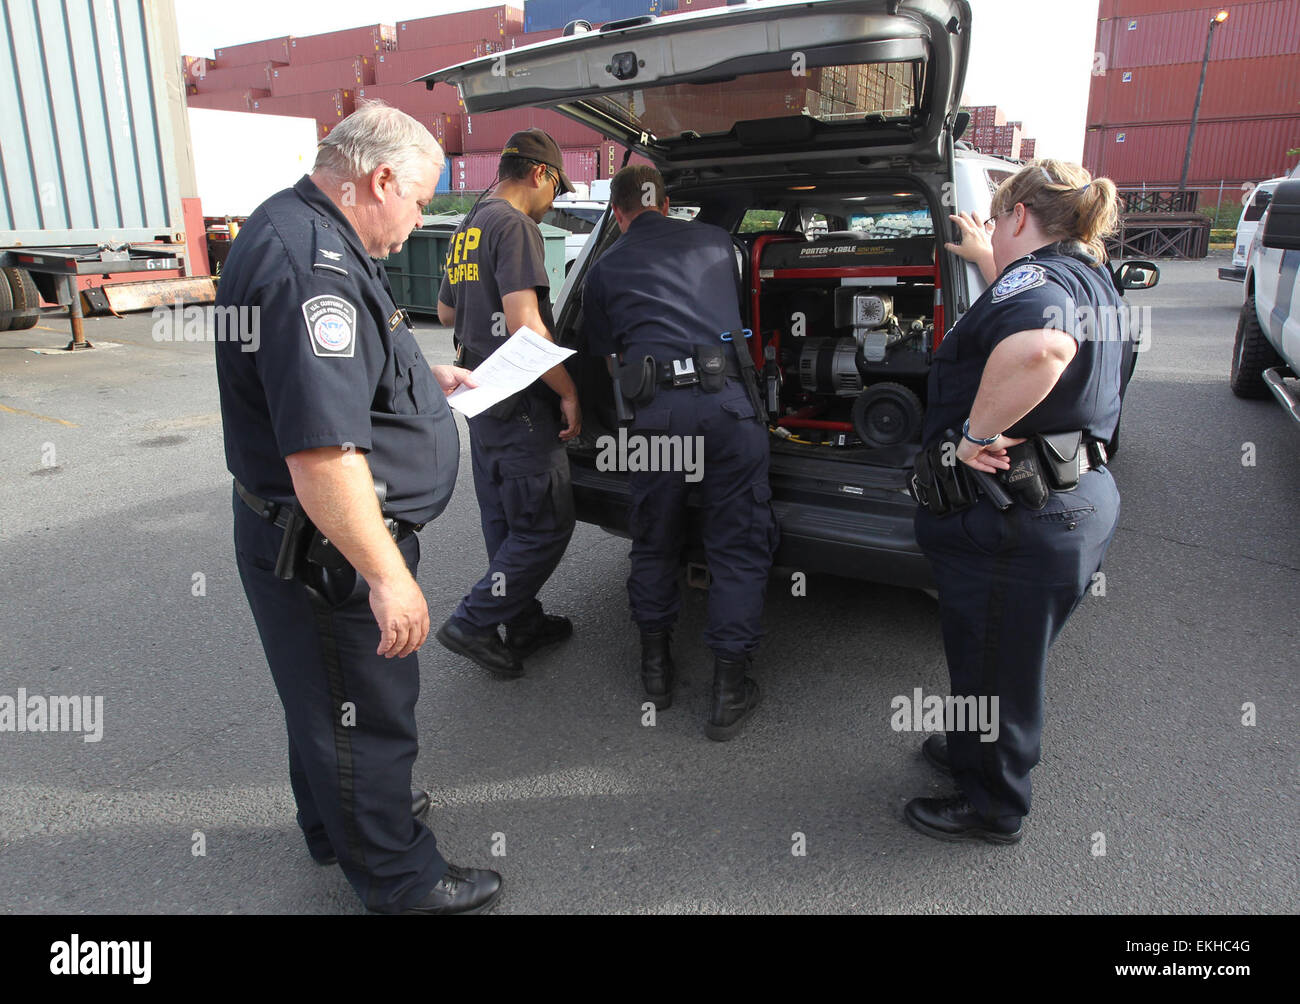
(278, 513)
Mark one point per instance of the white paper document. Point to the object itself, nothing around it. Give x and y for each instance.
(524, 357)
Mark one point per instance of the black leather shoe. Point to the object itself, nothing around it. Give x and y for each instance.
(523, 641)
(419, 806)
(488, 651)
(657, 669)
(460, 891)
(954, 818)
(735, 696)
(935, 750)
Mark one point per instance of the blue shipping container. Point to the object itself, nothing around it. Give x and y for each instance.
(444, 179)
(546, 15)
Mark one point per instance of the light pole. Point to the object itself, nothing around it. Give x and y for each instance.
(1215, 21)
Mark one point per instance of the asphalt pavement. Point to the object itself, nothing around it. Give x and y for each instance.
(119, 582)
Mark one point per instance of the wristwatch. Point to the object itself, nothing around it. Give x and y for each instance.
(965, 434)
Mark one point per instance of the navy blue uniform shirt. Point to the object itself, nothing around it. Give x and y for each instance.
(1052, 289)
(663, 288)
(336, 362)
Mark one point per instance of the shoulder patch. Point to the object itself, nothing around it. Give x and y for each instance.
(331, 325)
(1018, 280)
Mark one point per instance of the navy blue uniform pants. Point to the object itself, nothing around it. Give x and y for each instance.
(739, 528)
(525, 500)
(1007, 584)
(350, 715)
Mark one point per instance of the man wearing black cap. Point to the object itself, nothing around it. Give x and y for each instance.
(495, 283)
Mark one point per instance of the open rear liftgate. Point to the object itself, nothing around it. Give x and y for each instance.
(849, 323)
(62, 266)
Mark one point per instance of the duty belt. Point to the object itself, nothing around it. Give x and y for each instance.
(281, 514)
(684, 373)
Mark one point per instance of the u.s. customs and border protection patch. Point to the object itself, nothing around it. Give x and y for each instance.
(331, 325)
(1018, 280)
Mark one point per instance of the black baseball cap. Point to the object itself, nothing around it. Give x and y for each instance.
(534, 144)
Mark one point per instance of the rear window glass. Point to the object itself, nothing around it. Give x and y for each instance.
(756, 221)
(996, 178)
(575, 219)
(844, 93)
(1255, 211)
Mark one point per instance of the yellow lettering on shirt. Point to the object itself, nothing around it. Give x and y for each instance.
(466, 271)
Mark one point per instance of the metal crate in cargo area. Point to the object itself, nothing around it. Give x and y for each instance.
(415, 272)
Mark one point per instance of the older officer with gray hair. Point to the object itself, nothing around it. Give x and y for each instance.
(342, 448)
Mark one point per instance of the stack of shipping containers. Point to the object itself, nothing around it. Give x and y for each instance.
(322, 77)
(990, 132)
(1140, 107)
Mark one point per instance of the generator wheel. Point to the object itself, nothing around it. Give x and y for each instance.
(887, 414)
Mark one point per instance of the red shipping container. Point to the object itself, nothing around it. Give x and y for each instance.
(276, 50)
(1232, 151)
(1167, 93)
(489, 131)
(325, 106)
(581, 166)
(1027, 148)
(197, 66)
(410, 64)
(473, 172)
(414, 99)
(1268, 28)
(442, 29)
(235, 78)
(368, 41)
(358, 71)
(229, 101)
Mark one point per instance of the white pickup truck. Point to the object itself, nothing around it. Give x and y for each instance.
(1266, 356)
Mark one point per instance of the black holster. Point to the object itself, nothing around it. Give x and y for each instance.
(303, 544)
(939, 480)
(1025, 479)
(943, 484)
(1044, 463)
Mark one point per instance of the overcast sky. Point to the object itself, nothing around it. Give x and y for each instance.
(1030, 56)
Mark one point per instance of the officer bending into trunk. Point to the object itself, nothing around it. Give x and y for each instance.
(1025, 387)
(665, 298)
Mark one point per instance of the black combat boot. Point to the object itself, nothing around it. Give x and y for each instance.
(657, 669)
(735, 696)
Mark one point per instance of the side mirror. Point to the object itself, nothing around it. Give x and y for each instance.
(1282, 220)
(959, 125)
(1137, 275)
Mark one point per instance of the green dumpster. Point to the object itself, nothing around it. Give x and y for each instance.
(415, 272)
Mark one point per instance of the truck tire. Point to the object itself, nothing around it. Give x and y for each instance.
(1251, 355)
(6, 302)
(25, 296)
